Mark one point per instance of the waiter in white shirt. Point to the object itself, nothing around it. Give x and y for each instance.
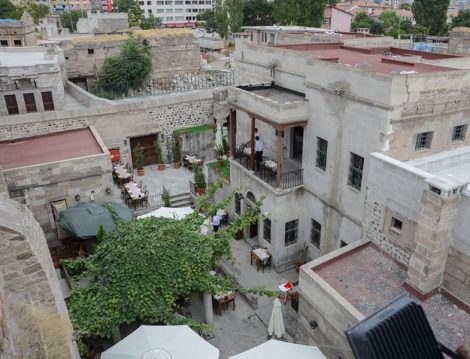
(258, 152)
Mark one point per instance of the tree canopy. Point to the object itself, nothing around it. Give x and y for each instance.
(221, 19)
(311, 12)
(209, 18)
(462, 19)
(70, 18)
(286, 12)
(145, 269)
(150, 22)
(362, 20)
(8, 10)
(432, 15)
(130, 69)
(258, 13)
(123, 5)
(235, 14)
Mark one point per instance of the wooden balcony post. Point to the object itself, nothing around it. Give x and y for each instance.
(233, 132)
(252, 144)
(279, 158)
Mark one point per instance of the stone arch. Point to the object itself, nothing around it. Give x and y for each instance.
(251, 197)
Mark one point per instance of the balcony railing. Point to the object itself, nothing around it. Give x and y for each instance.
(289, 179)
(151, 202)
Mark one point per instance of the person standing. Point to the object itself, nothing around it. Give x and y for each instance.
(258, 152)
(216, 222)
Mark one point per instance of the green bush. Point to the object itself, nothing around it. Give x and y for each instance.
(139, 156)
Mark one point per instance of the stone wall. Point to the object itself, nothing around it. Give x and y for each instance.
(459, 42)
(457, 274)
(38, 186)
(34, 317)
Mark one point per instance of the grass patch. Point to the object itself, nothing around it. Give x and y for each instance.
(191, 130)
(223, 170)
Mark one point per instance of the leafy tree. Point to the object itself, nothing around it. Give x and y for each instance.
(333, 2)
(147, 269)
(235, 14)
(406, 6)
(286, 12)
(130, 69)
(150, 22)
(123, 5)
(432, 15)
(35, 10)
(221, 19)
(8, 10)
(362, 20)
(70, 18)
(311, 12)
(462, 19)
(390, 18)
(258, 13)
(135, 15)
(209, 19)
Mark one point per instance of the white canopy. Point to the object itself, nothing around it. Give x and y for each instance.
(276, 323)
(167, 212)
(274, 349)
(149, 341)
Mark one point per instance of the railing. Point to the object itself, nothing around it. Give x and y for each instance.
(288, 179)
(151, 202)
(176, 83)
(192, 188)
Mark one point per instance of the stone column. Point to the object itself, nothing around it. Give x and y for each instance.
(439, 208)
(208, 311)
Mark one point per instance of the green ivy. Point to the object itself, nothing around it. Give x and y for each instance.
(143, 269)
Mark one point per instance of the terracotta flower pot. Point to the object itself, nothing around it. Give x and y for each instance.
(161, 166)
(200, 190)
(220, 163)
(176, 164)
(140, 171)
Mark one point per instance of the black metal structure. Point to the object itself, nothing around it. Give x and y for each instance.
(400, 330)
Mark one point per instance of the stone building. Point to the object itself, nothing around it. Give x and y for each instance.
(18, 33)
(103, 23)
(33, 317)
(31, 80)
(174, 51)
(320, 110)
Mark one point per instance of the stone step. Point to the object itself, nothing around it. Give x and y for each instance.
(181, 200)
(180, 195)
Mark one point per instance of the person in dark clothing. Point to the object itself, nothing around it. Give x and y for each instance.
(258, 152)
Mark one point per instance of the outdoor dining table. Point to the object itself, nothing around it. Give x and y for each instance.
(135, 193)
(247, 151)
(261, 255)
(223, 300)
(122, 174)
(190, 160)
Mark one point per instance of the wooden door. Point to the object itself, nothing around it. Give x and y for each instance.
(254, 230)
(147, 143)
(298, 142)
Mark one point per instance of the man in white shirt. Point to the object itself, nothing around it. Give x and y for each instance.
(216, 222)
(258, 152)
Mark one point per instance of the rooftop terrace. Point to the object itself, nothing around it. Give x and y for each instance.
(53, 147)
(388, 60)
(369, 279)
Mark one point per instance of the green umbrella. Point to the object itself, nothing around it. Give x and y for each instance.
(84, 220)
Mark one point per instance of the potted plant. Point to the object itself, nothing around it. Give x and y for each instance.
(139, 159)
(302, 257)
(219, 152)
(199, 180)
(175, 151)
(158, 155)
(166, 198)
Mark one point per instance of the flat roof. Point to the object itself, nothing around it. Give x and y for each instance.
(48, 148)
(23, 57)
(278, 95)
(370, 279)
(388, 60)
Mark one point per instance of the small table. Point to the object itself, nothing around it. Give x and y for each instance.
(260, 255)
(223, 300)
(135, 193)
(122, 174)
(247, 151)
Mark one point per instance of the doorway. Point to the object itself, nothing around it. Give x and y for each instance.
(147, 142)
(298, 142)
(251, 201)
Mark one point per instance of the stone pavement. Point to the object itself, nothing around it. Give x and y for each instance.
(246, 327)
(174, 180)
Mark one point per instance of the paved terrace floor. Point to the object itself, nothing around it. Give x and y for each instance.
(369, 280)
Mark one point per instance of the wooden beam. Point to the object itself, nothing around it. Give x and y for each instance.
(279, 159)
(252, 144)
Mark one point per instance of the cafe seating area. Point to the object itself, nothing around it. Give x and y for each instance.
(190, 160)
(133, 194)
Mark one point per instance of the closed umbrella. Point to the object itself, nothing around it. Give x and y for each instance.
(162, 342)
(218, 136)
(275, 349)
(276, 323)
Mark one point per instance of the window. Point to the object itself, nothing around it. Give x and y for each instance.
(178, 2)
(322, 148)
(30, 102)
(179, 18)
(355, 171)
(149, 11)
(12, 105)
(396, 226)
(267, 230)
(459, 133)
(238, 203)
(423, 141)
(326, 21)
(169, 11)
(149, 3)
(291, 232)
(3, 42)
(159, 2)
(170, 18)
(315, 233)
(91, 51)
(47, 101)
(179, 10)
(17, 42)
(159, 11)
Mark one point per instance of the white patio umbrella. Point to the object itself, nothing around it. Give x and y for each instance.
(276, 323)
(274, 349)
(218, 136)
(167, 212)
(162, 342)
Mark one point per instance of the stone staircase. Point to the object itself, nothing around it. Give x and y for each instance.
(181, 200)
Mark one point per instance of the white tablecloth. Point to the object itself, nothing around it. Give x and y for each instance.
(247, 151)
(121, 172)
(261, 253)
(270, 164)
(223, 295)
(134, 191)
